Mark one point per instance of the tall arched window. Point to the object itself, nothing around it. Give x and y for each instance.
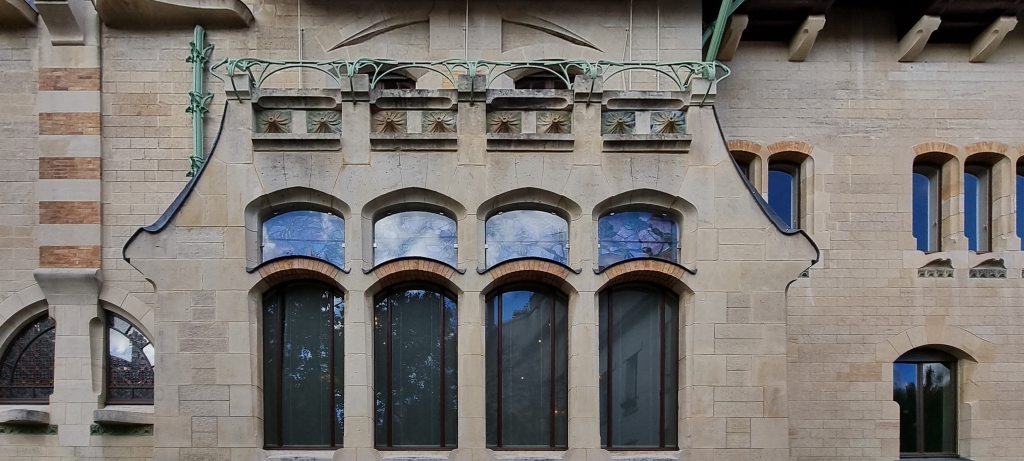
(926, 207)
(415, 233)
(639, 355)
(636, 234)
(924, 384)
(415, 367)
(129, 363)
(527, 368)
(977, 206)
(526, 233)
(303, 366)
(26, 370)
(305, 233)
(784, 192)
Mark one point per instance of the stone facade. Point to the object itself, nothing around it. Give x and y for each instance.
(773, 365)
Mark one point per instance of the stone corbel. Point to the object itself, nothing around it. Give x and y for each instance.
(128, 415)
(17, 13)
(135, 14)
(18, 415)
(989, 40)
(800, 45)
(62, 21)
(69, 287)
(917, 37)
(731, 38)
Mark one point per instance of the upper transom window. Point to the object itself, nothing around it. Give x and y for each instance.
(305, 233)
(636, 234)
(526, 234)
(415, 233)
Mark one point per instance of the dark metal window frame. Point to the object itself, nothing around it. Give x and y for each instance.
(793, 170)
(280, 290)
(444, 294)
(922, 356)
(23, 330)
(608, 403)
(107, 362)
(555, 295)
(933, 173)
(983, 173)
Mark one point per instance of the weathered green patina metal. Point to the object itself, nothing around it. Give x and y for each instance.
(199, 56)
(710, 29)
(259, 70)
(716, 35)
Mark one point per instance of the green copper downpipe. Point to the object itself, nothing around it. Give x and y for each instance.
(198, 98)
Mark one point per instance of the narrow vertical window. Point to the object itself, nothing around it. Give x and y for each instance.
(1020, 202)
(26, 369)
(784, 192)
(526, 233)
(527, 368)
(305, 233)
(926, 207)
(924, 386)
(415, 234)
(303, 366)
(977, 200)
(415, 367)
(129, 363)
(639, 355)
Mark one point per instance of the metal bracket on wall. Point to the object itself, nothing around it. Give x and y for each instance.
(198, 99)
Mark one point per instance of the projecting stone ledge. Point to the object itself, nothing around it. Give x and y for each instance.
(125, 415)
(23, 416)
(135, 14)
(17, 13)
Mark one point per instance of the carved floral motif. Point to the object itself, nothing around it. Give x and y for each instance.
(274, 121)
(668, 122)
(387, 121)
(505, 122)
(558, 122)
(323, 121)
(439, 122)
(618, 122)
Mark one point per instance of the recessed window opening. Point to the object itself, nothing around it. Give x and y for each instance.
(629, 235)
(303, 366)
(395, 81)
(542, 80)
(1020, 201)
(526, 233)
(26, 369)
(424, 234)
(130, 357)
(977, 201)
(415, 367)
(527, 368)
(925, 207)
(925, 387)
(305, 233)
(745, 161)
(784, 192)
(639, 355)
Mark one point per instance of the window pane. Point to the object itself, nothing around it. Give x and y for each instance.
(1020, 209)
(561, 372)
(26, 371)
(526, 233)
(451, 370)
(306, 382)
(939, 403)
(904, 392)
(271, 369)
(922, 210)
(129, 366)
(635, 234)
(305, 233)
(782, 196)
(415, 233)
(339, 369)
(671, 372)
(971, 195)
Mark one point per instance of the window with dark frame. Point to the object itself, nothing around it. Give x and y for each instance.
(639, 355)
(527, 368)
(926, 207)
(26, 369)
(395, 81)
(925, 387)
(130, 357)
(415, 367)
(542, 80)
(1020, 201)
(977, 207)
(303, 366)
(784, 192)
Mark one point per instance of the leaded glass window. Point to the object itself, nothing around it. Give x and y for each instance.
(527, 368)
(305, 233)
(636, 234)
(924, 386)
(415, 367)
(303, 366)
(415, 233)
(526, 233)
(129, 363)
(26, 370)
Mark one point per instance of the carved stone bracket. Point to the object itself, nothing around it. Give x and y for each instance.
(940, 268)
(137, 14)
(17, 13)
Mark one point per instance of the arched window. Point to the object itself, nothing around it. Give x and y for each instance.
(639, 355)
(542, 80)
(527, 368)
(784, 192)
(415, 367)
(395, 81)
(924, 385)
(926, 207)
(415, 233)
(303, 366)
(305, 233)
(129, 363)
(977, 206)
(26, 370)
(636, 234)
(526, 233)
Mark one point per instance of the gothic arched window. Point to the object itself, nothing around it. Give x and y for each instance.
(130, 357)
(26, 370)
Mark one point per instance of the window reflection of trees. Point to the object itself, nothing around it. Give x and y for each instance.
(415, 367)
(924, 387)
(636, 234)
(415, 233)
(526, 233)
(129, 363)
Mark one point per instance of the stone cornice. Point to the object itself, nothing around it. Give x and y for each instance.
(134, 14)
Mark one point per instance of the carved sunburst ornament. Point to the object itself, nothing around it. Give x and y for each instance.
(439, 122)
(274, 121)
(325, 121)
(387, 121)
(618, 123)
(505, 122)
(668, 122)
(554, 122)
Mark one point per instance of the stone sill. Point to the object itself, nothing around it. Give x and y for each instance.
(523, 99)
(647, 142)
(644, 100)
(296, 141)
(414, 141)
(414, 99)
(531, 142)
(24, 414)
(124, 415)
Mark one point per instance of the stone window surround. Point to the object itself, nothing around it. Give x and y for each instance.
(760, 158)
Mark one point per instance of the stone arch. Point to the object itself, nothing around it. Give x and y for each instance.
(986, 146)
(653, 271)
(296, 268)
(17, 310)
(799, 147)
(412, 197)
(681, 210)
(955, 340)
(414, 270)
(936, 146)
(743, 145)
(281, 201)
(530, 197)
(131, 308)
(531, 270)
